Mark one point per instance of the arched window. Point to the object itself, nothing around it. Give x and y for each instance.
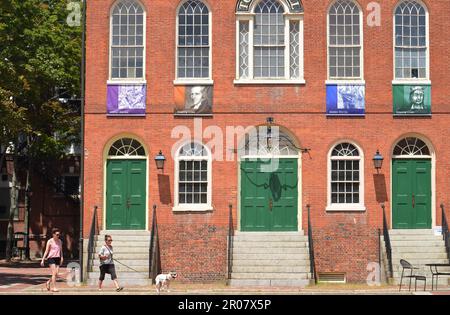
(262, 141)
(193, 178)
(127, 45)
(126, 147)
(346, 178)
(193, 41)
(411, 41)
(411, 147)
(345, 58)
(270, 43)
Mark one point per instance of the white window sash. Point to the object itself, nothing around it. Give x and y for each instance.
(288, 18)
(111, 46)
(184, 80)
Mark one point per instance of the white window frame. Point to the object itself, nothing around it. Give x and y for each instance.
(127, 81)
(194, 81)
(192, 206)
(346, 207)
(288, 17)
(347, 80)
(401, 81)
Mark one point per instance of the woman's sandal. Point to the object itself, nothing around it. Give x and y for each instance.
(47, 285)
(119, 289)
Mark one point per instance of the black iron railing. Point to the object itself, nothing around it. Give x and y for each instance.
(154, 261)
(387, 243)
(230, 243)
(91, 243)
(445, 231)
(312, 263)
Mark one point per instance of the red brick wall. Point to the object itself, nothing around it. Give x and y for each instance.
(345, 242)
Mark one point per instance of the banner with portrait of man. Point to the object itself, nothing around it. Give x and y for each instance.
(412, 100)
(346, 100)
(193, 100)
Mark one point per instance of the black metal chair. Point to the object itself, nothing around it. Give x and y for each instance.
(407, 266)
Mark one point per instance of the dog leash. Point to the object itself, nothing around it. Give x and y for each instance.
(128, 266)
(113, 259)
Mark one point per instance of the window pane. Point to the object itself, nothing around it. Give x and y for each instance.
(410, 40)
(268, 39)
(193, 39)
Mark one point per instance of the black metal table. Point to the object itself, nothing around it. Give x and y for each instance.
(436, 273)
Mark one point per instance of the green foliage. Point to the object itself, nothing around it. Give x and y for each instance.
(40, 57)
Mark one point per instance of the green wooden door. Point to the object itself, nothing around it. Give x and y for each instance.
(125, 194)
(269, 200)
(411, 194)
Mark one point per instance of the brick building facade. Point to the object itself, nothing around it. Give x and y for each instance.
(193, 240)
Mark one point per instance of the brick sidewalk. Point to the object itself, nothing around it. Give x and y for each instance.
(30, 278)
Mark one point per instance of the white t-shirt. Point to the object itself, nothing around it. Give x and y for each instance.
(108, 252)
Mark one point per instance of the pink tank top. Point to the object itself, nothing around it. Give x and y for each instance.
(55, 249)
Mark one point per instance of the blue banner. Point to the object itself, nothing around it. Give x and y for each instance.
(346, 100)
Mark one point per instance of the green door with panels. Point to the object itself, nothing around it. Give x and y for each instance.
(269, 199)
(125, 194)
(411, 194)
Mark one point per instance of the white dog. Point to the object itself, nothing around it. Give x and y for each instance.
(163, 281)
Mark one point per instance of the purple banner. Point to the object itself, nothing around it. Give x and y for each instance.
(126, 99)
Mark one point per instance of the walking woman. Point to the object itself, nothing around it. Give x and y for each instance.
(54, 256)
(107, 264)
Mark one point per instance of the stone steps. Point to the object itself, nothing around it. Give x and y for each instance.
(271, 282)
(418, 247)
(271, 269)
(130, 248)
(270, 275)
(270, 259)
(270, 251)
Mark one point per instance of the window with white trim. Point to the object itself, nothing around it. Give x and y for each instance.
(411, 44)
(345, 41)
(270, 43)
(126, 147)
(411, 146)
(193, 41)
(345, 178)
(193, 177)
(127, 46)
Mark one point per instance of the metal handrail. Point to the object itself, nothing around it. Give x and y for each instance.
(312, 264)
(154, 261)
(91, 242)
(230, 243)
(387, 243)
(445, 231)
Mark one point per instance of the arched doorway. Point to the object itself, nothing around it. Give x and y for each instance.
(269, 181)
(412, 184)
(126, 184)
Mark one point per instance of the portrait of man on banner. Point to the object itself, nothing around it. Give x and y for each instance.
(412, 100)
(194, 100)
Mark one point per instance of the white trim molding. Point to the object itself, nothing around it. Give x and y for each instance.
(361, 43)
(186, 207)
(196, 80)
(345, 82)
(432, 156)
(411, 82)
(185, 81)
(144, 46)
(344, 207)
(245, 48)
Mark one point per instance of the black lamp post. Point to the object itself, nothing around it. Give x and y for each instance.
(378, 161)
(160, 159)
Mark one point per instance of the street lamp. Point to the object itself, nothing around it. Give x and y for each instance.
(160, 159)
(378, 161)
